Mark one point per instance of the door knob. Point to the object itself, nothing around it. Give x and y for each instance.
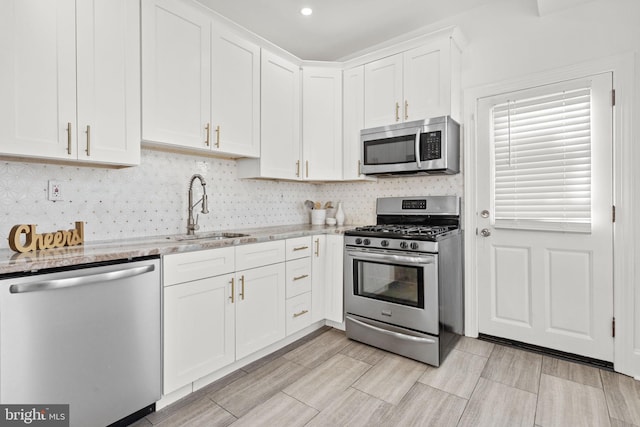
(485, 232)
(484, 214)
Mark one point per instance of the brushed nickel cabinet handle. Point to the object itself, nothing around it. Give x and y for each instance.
(406, 110)
(300, 248)
(88, 150)
(69, 138)
(397, 112)
(304, 276)
(218, 136)
(242, 287)
(207, 129)
(233, 290)
(302, 313)
(317, 247)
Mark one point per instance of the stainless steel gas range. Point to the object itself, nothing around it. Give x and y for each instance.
(403, 278)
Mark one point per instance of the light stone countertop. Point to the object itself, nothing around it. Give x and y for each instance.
(100, 251)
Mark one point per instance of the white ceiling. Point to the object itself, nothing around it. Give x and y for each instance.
(337, 28)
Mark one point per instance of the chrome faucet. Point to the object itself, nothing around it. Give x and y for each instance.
(192, 225)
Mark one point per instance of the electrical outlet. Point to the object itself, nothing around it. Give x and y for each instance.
(55, 191)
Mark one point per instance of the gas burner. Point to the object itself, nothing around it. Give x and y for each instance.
(407, 230)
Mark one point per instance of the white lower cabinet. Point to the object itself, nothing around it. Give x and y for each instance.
(298, 287)
(198, 330)
(199, 315)
(260, 308)
(298, 312)
(327, 278)
(222, 305)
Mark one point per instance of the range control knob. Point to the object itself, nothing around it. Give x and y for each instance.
(358, 241)
(404, 245)
(415, 245)
(384, 243)
(367, 241)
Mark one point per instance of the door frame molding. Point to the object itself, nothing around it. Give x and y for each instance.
(625, 69)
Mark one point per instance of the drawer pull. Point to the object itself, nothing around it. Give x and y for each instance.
(233, 290)
(300, 248)
(302, 313)
(304, 276)
(242, 286)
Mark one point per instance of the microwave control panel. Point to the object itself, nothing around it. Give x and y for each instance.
(430, 145)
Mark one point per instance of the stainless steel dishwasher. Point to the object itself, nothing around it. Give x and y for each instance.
(88, 337)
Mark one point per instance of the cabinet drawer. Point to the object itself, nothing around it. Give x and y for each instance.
(299, 247)
(188, 266)
(298, 312)
(259, 254)
(298, 276)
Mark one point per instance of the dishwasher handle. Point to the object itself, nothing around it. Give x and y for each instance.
(72, 282)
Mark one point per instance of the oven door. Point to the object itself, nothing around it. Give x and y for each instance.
(393, 287)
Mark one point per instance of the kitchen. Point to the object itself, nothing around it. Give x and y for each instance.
(505, 41)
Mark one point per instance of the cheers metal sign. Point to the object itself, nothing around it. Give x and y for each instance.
(33, 241)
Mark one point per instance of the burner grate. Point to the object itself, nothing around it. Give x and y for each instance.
(408, 230)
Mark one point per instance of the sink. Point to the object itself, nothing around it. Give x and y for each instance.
(208, 236)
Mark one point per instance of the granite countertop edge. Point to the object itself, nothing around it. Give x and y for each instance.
(113, 250)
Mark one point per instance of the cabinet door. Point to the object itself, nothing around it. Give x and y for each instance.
(298, 247)
(38, 78)
(298, 313)
(108, 50)
(322, 123)
(427, 79)
(198, 329)
(298, 277)
(318, 278)
(235, 95)
(176, 73)
(353, 122)
(383, 92)
(260, 308)
(280, 122)
(334, 291)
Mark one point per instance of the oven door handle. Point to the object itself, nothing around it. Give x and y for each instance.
(393, 258)
(393, 334)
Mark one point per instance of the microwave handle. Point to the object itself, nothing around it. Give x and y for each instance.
(417, 149)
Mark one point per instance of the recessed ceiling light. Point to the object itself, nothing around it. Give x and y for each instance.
(306, 11)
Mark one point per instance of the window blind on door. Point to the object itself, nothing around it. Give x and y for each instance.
(542, 161)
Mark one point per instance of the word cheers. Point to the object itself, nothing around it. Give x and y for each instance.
(34, 241)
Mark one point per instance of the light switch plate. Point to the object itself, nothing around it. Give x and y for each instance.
(55, 191)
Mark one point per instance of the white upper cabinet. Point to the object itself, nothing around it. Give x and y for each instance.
(176, 74)
(200, 82)
(353, 122)
(322, 123)
(416, 84)
(109, 81)
(383, 91)
(42, 114)
(235, 94)
(279, 123)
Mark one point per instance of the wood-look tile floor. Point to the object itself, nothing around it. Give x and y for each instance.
(325, 379)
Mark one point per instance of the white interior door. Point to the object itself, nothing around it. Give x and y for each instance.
(544, 209)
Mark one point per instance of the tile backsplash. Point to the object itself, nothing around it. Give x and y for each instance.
(151, 199)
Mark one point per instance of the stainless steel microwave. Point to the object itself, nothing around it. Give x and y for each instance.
(430, 146)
